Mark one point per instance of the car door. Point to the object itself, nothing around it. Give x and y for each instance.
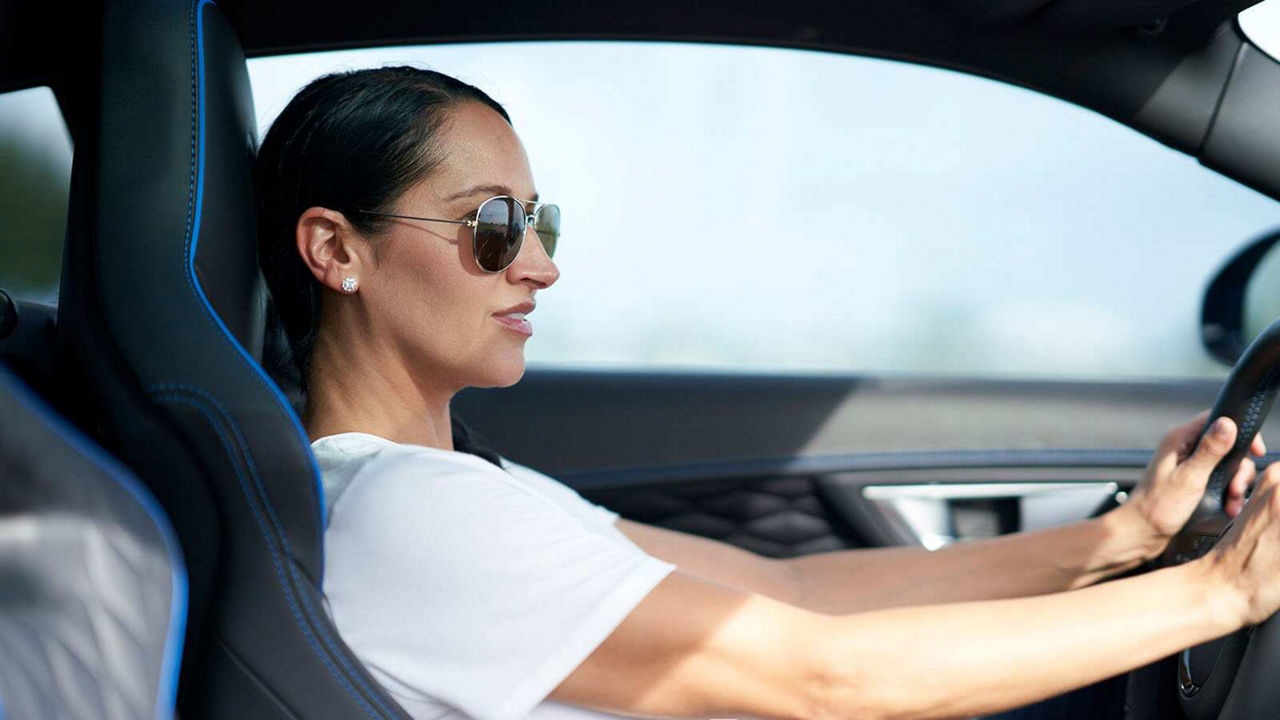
(923, 309)
(786, 466)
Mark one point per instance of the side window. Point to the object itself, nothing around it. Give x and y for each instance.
(739, 208)
(1261, 23)
(35, 177)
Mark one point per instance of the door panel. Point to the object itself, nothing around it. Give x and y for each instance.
(773, 516)
(787, 465)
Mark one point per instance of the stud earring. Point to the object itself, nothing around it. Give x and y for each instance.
(349, 285)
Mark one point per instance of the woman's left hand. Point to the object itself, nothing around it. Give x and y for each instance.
(1174, 482)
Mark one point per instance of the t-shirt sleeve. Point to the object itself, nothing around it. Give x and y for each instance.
(463, 587)
(565, 496)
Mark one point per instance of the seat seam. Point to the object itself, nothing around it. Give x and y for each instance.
(195, 28)
(195, 403)
(274, 518)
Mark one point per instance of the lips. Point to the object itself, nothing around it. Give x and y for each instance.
(518, 325)
(514, 318)
(523, 308)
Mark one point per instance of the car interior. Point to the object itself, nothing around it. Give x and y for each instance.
(94, 582)
(153, 404)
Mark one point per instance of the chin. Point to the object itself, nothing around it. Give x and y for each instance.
(503, 372)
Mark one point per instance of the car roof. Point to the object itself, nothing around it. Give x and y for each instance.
(1124, 58)
(42, 41)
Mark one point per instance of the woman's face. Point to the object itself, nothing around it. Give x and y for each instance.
(450, 320)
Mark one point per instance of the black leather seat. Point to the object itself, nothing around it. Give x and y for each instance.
(92, 585)
(161, 315)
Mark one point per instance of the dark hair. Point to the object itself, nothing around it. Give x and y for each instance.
(347, 141)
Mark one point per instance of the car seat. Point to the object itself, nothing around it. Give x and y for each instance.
(92, 584)
(161, 317)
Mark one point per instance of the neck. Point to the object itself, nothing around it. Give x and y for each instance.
(353, 387)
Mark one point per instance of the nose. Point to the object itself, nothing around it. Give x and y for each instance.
(533, 264)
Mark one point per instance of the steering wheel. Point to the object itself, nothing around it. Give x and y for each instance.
(1231, 678)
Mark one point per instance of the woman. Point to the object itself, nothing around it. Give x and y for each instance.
(400, 261)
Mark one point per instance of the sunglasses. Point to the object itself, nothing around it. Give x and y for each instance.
(498, 229)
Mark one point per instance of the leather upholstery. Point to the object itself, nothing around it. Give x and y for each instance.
(777, 517)
(164, 321)
(92, 584)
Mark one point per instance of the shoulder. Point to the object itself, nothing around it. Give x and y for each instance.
(562, 494)
(411, 495)
(413, 473)
(538, 480)
(415, 519)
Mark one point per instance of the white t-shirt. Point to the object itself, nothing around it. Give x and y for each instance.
(467, 591)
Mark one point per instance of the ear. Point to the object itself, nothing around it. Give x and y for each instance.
(330, 247)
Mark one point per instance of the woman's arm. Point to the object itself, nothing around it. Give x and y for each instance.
(693, 648)
(698, 648)
(848, 581)
(1017, 565)
(979, 658)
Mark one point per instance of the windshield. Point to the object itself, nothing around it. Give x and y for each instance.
(1262, 24)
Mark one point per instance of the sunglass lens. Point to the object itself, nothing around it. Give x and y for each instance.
(498, 232)
(547, 224)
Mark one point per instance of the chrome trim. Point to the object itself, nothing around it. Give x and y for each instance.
(972, 491)
(927, 513)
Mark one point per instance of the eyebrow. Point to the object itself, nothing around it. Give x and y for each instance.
(491, 190)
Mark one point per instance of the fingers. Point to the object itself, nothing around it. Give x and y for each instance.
(1265, 498)
(1248, 525)
(1239, 485)
(1270, 480)
(1179, 432)
(1267, 485)
(1212, 448)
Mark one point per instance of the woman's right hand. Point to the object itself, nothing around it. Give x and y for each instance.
(1246, 561)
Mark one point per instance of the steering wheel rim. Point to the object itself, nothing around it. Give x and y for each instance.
(1213, 678)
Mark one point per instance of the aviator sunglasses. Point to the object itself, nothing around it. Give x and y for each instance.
(498, 229)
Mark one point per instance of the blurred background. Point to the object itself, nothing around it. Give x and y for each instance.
(35, 176)
(752, 209)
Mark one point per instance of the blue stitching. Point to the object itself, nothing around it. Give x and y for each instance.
(194, 210)
(160, 388)
(275, 560)
(195, 123)
(275, 520)
(192, 241)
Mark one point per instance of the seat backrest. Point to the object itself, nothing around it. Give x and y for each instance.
(162, 314)
(92, 585)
